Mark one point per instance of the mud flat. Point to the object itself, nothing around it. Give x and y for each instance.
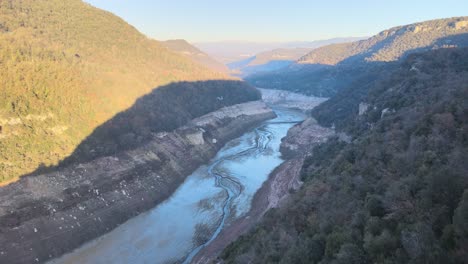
(45, 216)
(209, 199)
(296, 146)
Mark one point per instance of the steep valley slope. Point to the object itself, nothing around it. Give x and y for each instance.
(183, 47)
(280, 57)
(66, 68)
(101, 122)
(326, 70)
(395, 190)
(46, 215)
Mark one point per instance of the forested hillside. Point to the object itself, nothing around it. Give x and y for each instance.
(397, 193)
(67, 67)
(328, 69)
(183, 47)
(279, 58)
(267, 61)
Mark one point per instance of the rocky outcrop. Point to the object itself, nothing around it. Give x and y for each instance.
(290, 100)
(302, 137)
(363, 107)
(44, 216)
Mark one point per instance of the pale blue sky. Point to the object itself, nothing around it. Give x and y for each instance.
(274, 20)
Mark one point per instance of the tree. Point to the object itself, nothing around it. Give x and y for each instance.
(460, 223)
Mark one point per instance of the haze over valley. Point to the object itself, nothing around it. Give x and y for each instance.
(138, 132)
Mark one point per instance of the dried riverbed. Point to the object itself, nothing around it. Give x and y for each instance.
(210, 199)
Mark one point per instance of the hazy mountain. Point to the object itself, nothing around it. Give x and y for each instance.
(67, 67)
(231, 51)
(280, 55)
(397, 192)
(267, 61)
(183, 47)
(327, 69)
(392, 44)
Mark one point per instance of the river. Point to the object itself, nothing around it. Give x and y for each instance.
(211, 197)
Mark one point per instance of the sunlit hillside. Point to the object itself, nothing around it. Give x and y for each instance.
(65, 68)
(326, 70)
(183, 47)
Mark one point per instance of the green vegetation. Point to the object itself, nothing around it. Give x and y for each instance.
(326, 70)
(67, 67)
(184, 48)
(338, 110)
(397, 193)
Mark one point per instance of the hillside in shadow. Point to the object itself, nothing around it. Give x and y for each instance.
(345, 104)
(397, 192)
(164, 109)
(329, 69)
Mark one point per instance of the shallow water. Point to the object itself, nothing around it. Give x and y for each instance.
(212, 196)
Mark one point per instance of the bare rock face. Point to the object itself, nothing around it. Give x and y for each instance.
(290, 99)
(302, 137)
(45, 216)
(363, 108)
(196, 138)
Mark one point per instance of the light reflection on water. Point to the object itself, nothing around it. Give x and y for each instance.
(196, 212)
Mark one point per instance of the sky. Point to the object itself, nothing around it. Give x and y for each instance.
(274, 20)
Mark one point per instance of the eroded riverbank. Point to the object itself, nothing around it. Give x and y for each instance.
(211, 198)
(296, 146)
(44, 216)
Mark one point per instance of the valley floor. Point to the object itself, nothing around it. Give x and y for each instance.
(45, 216)
(281, 182)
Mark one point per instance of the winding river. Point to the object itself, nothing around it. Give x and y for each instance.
(210, 198)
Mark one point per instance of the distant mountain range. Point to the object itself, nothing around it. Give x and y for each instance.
(267, 61)
(232, 51)
(327, 69)
(183, 47)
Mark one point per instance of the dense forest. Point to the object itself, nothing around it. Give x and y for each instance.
(397, 193)
(66, 68)
(182, 47)
(326, 70)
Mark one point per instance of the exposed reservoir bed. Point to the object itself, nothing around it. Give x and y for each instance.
(209, 199)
